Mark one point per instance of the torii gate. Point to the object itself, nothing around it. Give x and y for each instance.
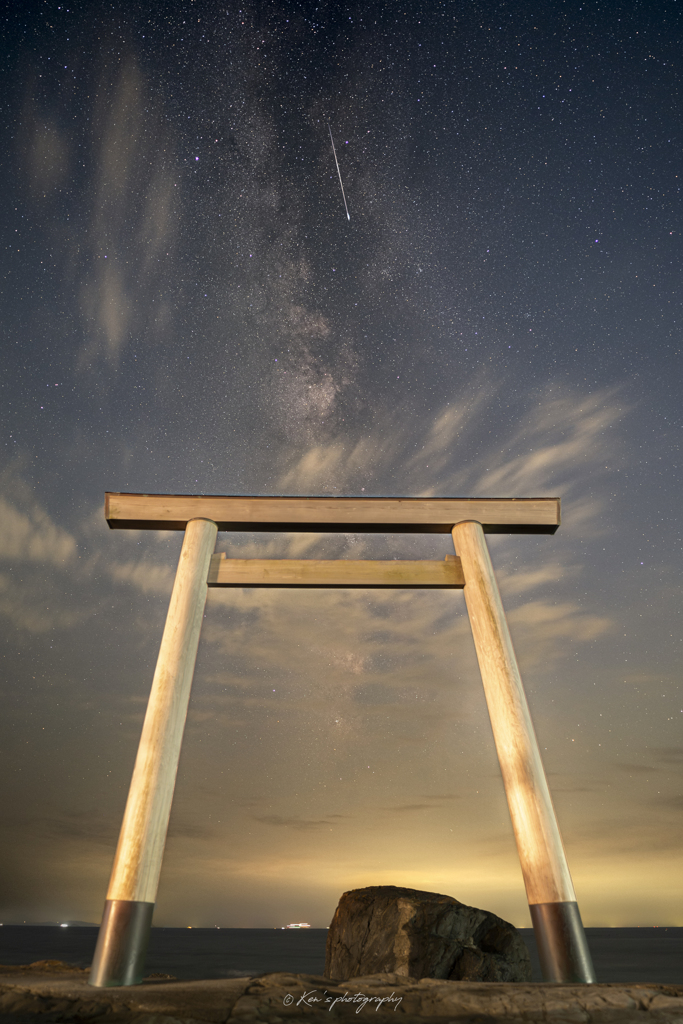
(127, 920)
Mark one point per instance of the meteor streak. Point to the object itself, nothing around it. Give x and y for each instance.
(348, 216)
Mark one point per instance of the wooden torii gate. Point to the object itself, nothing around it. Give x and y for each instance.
(124, 932)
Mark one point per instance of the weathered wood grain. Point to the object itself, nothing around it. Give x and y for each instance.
(541, 854)
(332, 515)
(309, 572)
(135, 874)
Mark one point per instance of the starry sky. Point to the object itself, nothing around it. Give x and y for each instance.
(187, 309)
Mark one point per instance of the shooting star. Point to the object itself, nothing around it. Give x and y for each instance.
(348, 216)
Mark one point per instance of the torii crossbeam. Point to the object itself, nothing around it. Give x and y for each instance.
(124, 932)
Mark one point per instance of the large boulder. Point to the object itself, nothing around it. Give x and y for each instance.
(386, 929)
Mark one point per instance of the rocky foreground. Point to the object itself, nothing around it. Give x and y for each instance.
(49, 991)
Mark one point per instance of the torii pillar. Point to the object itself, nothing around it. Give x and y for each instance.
(124, 932)
(127, 920)
(562, 947)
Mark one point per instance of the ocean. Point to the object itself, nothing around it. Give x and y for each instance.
(619, 954)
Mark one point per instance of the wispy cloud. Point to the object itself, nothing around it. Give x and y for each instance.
(133, 220)
(548, 449)
(514, 580)
(298, 824)
(34, 549)
(411, 808)
(146, 576)
(541, 628)
(36, 606)
(29, 535)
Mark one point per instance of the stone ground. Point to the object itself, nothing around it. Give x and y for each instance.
(49, 992)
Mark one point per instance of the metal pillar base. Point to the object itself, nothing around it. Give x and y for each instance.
(561, 940)
(122, 944)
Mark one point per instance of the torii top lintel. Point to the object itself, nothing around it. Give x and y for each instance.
(331, 515)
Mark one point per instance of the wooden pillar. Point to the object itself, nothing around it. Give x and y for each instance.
(554, 911)
(124, 932)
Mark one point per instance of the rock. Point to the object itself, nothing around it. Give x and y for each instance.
(39, 998)
(386, 929)
(51, 967)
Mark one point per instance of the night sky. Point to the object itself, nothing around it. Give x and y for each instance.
(187, 309)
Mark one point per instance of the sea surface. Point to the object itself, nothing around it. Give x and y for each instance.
(619, 954)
